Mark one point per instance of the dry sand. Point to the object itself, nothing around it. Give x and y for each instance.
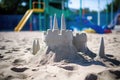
(16, 62)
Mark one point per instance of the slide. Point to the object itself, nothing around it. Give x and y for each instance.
(23, 20)
(95, 27)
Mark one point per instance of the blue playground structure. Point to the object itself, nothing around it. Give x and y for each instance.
(84, 23)
(98, 29)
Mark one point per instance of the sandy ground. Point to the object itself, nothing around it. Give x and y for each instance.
(15, 59)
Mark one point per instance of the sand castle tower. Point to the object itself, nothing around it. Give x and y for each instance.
(80, 42)
(60, 41)
(36, 46)
(59, 45)
(101, 50)
(63, 25)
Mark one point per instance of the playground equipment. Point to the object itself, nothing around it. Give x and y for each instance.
(49, 10)
(28, 14)
(46, 11)
(97, 27)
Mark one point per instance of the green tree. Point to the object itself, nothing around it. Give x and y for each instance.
(116, 6)
(13, 6)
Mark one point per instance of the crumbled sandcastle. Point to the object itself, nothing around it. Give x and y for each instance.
(61, 44)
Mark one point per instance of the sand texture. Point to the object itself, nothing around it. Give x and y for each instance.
(18, 63)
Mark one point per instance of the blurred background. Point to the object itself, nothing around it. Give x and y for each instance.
(79, 14)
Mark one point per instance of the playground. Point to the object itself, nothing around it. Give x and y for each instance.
(40, 13)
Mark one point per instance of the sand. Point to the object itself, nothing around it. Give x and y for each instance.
(18, 63)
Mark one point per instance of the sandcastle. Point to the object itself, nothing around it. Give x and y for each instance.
(64, 44)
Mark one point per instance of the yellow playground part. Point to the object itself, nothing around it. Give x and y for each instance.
(26, 17)
(23, 20)
(89, 30)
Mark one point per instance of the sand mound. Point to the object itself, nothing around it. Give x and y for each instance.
(59, 54)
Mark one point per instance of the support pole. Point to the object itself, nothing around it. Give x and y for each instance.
(99, 12)
(46, 14)
(112, 11)
(80, 8)
(40, 25)
(30, 7)
(62, 6)
(107, 13)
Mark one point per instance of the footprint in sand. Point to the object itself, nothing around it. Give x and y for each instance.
(19, 69)
(35, 69)
(15, 49)
(1, 56)
(91, 77)
(117, 73)
(2, 47)
(9, 51)
(68, 68)
(8, 41)
(18, 62)
(28, 49)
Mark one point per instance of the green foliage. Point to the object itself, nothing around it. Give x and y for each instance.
(13, 6)
(116, 6)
